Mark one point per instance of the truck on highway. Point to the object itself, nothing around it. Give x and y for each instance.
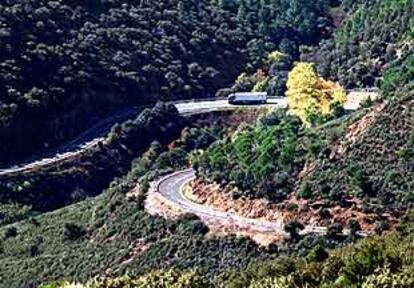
(248, 98)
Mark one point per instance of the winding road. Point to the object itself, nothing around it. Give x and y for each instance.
(92, 136)
(96, 133)
(171, 186)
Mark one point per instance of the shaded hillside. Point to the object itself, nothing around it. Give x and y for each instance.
(87, 174)
(63, 64)
(374, 35)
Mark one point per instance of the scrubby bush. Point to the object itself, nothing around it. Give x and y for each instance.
(334, 230)
(161, 279)
(384, 277)
(261, 161)
(317, 254)
(293, 228)
(10, 232)
(273, 282)
(72, 231)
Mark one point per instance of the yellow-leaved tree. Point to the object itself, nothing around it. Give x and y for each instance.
(309, 95)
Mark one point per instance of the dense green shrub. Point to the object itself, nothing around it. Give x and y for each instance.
(252, 157)
(10, 232)
(265, 161)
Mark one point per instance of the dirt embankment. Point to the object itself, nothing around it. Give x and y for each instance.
(309, 213)
(156, 204)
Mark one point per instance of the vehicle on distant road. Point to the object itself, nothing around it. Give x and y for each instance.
(244, 98)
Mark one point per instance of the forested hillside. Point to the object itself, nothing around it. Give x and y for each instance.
(66, 62)
(378, 262)
(376, 34)
(313, 195)
(63, 63)
(373, 159)
(364, 158)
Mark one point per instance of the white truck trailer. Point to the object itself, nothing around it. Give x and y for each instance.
(244, 98)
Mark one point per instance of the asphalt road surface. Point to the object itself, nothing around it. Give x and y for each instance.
(96, 133)
(171, 186)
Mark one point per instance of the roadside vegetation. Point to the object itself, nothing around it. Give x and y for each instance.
(74, 180)
(361, 163)
(66, 63)
(111, 233)
(96, 234)
(83, 223)
(264, 160)
(380, 261)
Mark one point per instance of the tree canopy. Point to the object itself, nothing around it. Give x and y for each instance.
(65, 63)
(311, 96)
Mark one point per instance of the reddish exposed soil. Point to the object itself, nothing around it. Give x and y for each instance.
(315, 213)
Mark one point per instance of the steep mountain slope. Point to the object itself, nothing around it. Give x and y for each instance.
(356, 164)
(374, 159)
(362, 164)
(374, 35)
(368, 155)
(112, 234)
(64, 63)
